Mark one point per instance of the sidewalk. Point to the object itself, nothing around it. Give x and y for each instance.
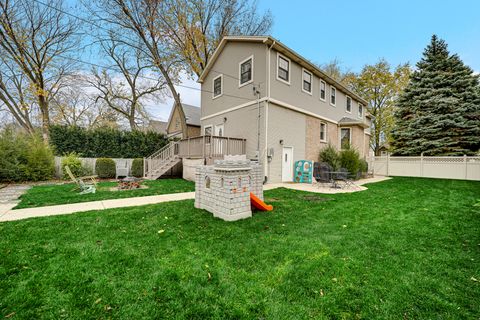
(7, 214)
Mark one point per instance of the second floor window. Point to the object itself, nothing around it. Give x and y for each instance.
(283, 69)
(323, 89)
(217, 86)
(333, 96)
(307, 81)
(246, 71)
(349, 104)
(360, 111)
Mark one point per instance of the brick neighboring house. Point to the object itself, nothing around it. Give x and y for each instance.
(301, 108)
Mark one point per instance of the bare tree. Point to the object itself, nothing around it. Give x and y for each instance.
(138, 24)
(35, 38)
(126, 89)
(195, 27)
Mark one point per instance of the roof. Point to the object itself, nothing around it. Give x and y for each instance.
(192, 114)
(158, 126)
(346, 121)
(280, 47)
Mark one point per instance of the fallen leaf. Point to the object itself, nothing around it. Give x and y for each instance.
(161, 231)
(334, 279)
(107, 308)
(98, 300)
(209, 276)
(474, 279)
(344, 226)
(10, 315)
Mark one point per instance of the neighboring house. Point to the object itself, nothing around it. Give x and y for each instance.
(299, 111)
(158, 126)
(191, 121)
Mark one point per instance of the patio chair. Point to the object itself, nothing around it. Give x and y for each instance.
(321, 173)
(121, 166)
(344, 176)
(81, 185)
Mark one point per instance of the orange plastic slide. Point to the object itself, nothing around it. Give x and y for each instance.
(259, 204)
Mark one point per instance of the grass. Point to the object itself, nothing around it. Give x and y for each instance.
(47, 195)
(404, 249)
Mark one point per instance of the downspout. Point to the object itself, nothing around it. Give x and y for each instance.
(267, 163)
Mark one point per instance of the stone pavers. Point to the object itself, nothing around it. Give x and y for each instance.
(9, 196)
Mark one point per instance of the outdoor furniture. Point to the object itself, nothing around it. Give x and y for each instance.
(321, 172)
(344, 176)
(81, 185)
(121, 166)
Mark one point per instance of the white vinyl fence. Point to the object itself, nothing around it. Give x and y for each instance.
(464, 168)
(88, 163)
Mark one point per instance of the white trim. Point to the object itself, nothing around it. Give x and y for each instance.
(326, 130)
(208, 126)
(360, 116)
(346, 104)
(289, 68)
(221, 87)
(311, 81)
(275, 101)
(240, 72)
(340, 136)
(240, 106)
(320, 90)
(289, 106)
(330, 97)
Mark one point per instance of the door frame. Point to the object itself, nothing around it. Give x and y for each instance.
(282, 166)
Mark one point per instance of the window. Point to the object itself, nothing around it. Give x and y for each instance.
(217, 86)
(323, 92)
(208, 130)
(360, 111)
(333, 95)
(345, 138)
(283, 71)
(246, 71)
(323, 132)
(307, 82)
(349, 104)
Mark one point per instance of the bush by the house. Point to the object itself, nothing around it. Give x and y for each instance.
(363, 166)
(330, 155)
(137, 167)
(24, 157)
(105, 168)
(350, 160)
(105, 142)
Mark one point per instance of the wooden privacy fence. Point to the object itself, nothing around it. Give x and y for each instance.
(464, 168)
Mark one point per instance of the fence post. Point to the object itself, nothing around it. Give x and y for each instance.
(388, 164)
(421, 164)
(466, 166)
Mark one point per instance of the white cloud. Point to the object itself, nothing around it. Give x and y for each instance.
(189, 94)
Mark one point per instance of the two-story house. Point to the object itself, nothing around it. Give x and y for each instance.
(256, 88)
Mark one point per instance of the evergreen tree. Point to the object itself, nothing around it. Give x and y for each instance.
(439, 111)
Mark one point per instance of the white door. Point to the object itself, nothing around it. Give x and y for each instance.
(287, 164)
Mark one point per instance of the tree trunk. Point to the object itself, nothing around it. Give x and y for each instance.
(43, 104)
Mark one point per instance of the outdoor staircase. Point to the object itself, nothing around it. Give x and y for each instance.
(161, 161)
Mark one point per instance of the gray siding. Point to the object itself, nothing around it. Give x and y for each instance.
(228, 65)
(293, 94)
(289, 126)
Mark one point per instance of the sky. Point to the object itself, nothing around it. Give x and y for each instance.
(363, 31)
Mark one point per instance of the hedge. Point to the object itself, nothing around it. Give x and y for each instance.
(137, 167)
(105, 168)
(105, 142)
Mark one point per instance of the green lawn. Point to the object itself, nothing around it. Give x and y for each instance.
(404, 249)
(47, 195)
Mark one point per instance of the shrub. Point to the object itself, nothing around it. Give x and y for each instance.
(105, 168)
(24, 157)
(72, 160)
(105, 142)
(137, 167)
(40, 161)
(330, 155)
(350, 160)
(363, 166)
